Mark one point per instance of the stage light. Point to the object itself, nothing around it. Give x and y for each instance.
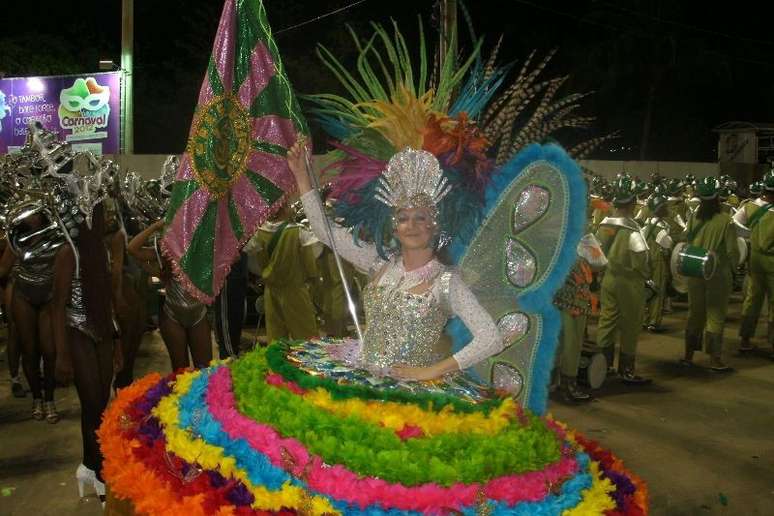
(35, 85)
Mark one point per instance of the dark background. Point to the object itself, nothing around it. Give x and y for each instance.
(664, 73)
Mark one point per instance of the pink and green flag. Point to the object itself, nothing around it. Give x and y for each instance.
(233, 174)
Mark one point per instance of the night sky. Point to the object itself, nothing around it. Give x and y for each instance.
(690, 66)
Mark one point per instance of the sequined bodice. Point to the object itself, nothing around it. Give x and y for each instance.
(178, 297)
(403, 327)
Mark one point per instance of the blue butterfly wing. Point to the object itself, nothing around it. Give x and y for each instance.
(535, 215)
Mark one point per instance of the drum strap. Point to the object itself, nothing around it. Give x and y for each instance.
(758, 215)
(692, 233)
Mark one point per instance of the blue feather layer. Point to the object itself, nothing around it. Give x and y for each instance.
(333, 127)
(476, 93)
(534, 300)
(540, 375)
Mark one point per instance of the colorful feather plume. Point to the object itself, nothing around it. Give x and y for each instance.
(463, 110)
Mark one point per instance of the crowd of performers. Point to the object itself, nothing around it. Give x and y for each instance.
(671, 238)
(77, 313)
(65, 325)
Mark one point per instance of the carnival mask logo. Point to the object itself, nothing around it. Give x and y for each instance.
(4, 109)
(84, 107)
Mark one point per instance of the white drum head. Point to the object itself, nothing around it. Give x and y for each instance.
(743, 249)
(674, 262)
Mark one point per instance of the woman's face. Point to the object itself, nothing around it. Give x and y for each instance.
(415, 228)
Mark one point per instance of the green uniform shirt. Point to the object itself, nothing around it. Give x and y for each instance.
(290, 263)
(762, 232)
(622, 261)
(717, 234)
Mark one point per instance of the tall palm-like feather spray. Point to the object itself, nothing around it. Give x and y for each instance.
(394, 101)
(586, 147)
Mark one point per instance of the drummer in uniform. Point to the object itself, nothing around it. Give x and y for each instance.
(747, 330)
(712, 230)
(756, 217)
(729, 203)
(729, 196)
(676, 217)
(657, 235)
(755, 191)
(622, 295)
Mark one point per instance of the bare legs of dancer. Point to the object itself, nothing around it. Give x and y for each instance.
(93, 373)
(33, 329)
(131, 320)
(180, 340)
(12, 349)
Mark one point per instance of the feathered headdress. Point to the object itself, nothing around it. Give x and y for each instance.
(451, 113)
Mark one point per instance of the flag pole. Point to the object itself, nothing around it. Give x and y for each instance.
(329, 233)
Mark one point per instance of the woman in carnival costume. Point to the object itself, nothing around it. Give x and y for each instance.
(127, 282)
(31, 313)
(66, 191)
(82, 319)
(12, 351)
(30, 228)
(446, 224)
(183, 320)
(412, 294)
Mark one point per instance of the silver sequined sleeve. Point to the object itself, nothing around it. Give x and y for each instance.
(362, 257)
(486, 338)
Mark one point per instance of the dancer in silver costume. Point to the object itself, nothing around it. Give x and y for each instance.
(182, 321)
(82, 319)
(181, 308)
(128, 294)
(30, 310)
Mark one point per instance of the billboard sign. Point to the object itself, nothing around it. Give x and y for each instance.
(83, 109)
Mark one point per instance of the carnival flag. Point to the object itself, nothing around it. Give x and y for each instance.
(233, 174)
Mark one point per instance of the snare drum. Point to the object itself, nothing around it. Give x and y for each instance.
(693, 262)
(592, 369)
